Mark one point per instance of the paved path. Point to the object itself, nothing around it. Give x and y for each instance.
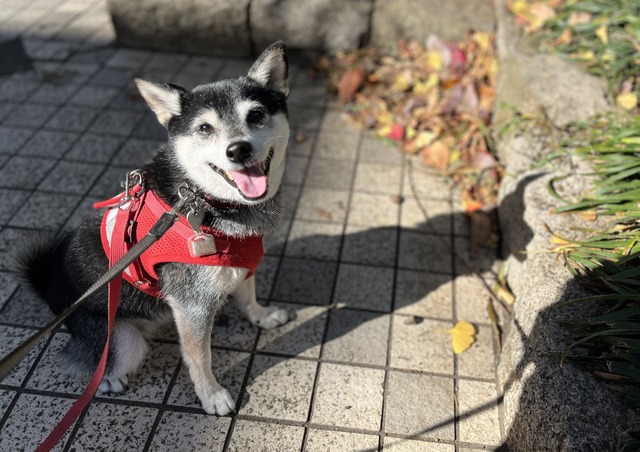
(364, 366)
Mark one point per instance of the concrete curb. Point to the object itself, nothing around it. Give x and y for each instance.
(546, 405)
(241, 28)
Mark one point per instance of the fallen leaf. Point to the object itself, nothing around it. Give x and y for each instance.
(350, 83)
(421, 141)
(538, 13)
(462, 336)
(436, 155)
(627, 101)
(300, 137)
(589, 215)
(397, 132)
(564, 38)
(603, 34)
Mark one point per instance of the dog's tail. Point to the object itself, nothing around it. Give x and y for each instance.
(36, 266)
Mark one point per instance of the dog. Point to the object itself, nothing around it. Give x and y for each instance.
(226, 153)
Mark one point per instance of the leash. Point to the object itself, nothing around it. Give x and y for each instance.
(119, 260)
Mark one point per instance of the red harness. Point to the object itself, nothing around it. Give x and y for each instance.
(141, 214)
(124, 223)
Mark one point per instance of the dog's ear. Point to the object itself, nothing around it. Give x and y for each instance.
(271, 68)
(163, 99)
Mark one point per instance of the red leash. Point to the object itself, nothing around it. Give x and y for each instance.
(117, 252)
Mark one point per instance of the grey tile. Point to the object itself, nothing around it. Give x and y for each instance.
(151, 381)
(150, 128)
(375, 150)
(116, 122)
(483, 427)
(12, 243)
(364, 287)
(30, 115)
(411, 445)
(186, 431)
(296, 169)
(265, 437)
(24, 172)
(8, 285)
(94, 148)
(94, 96)
(425, 252)
(108, 184)
(335, 119)
(471, 298)
(468, 256)
(55, 94)
(326, 173)
(25, 308)
(11, 201)
(337, 145)
(12, 138)
(439, 217)
(300, 336)
(421, 344)
(56, 208)
(6, 107)
(378, 177)
(426, 183)
(305, 281)
(10, 338)
(317, 204)
(372, 246)
(128, 58)
(308, 95)
(314, 240)
(348, 397)
(203, 66)
(335, 441)
(51, 373)
(135, 152)
(275, 242)
(357, 337)
(290, 197)
(279, 388)
(103, 426)
(115, 77)
(6, 397)
(265, 276)
(424, 294)
(165, 60)
(373, 210)
(301, 142)
(231, 329)
(71, 177)
(479, 361)
(17, 90)
(229, 369)
(48, 143)
(32, 419)
(420, 406)
(72, 119)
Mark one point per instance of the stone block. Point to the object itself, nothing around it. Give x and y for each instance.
(210, 27)
(324, 25)
(417, 19)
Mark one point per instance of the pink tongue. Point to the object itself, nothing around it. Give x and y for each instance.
(251, 181)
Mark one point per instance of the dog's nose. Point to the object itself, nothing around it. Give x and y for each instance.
(239, 151)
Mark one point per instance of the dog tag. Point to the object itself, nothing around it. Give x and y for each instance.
(195, 219)
(201, 244)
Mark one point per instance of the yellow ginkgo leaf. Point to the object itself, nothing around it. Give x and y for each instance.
(603, 34)
(627, 101)
(463, 335)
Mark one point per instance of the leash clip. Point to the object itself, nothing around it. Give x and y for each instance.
(133, 184)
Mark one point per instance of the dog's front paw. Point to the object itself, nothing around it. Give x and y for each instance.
(273, 318)
(113, 385)
(218, 402)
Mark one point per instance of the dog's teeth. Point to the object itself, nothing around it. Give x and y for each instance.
(229, 175)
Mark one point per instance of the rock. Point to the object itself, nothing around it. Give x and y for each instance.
(210, 27)
(417, 19)
(323, 25)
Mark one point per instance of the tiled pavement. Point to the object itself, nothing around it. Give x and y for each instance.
(365, 365)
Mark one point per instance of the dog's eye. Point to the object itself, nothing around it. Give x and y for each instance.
(205, 128)
(256, 116)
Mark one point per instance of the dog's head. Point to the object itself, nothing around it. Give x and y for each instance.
(229, 137)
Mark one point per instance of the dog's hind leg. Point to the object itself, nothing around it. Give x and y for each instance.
(266, 317)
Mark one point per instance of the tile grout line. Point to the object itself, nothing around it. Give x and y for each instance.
(387, 373)
(281, 256)
(332, 305)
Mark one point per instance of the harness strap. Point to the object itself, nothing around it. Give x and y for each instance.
(118, 250)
